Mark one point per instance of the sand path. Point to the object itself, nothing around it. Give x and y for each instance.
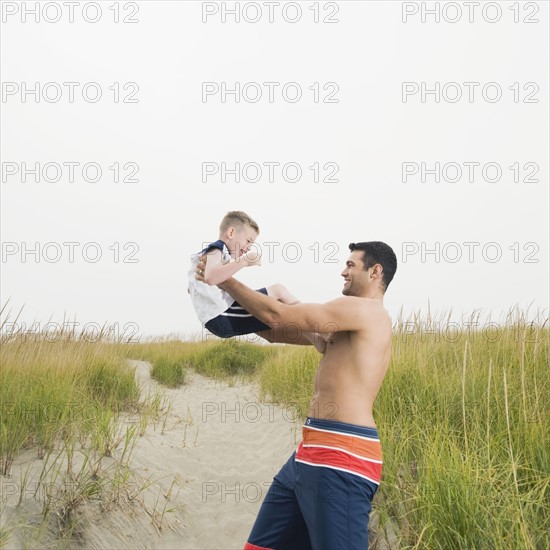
(211, 465)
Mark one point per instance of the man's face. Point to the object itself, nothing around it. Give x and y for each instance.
(241, 239)
(355, 276)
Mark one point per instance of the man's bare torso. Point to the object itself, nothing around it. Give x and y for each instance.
(351, 371)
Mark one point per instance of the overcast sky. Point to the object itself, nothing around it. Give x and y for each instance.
(378, 122)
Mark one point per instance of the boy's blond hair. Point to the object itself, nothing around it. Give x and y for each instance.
(237, 218)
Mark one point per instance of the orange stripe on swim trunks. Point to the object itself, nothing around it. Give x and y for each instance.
(357, 445)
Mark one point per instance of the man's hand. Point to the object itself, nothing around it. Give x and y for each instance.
(199, 270)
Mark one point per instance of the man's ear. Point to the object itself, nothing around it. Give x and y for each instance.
(377, 271)
(230, 232)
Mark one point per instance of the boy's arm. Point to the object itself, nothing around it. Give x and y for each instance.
(215, 271)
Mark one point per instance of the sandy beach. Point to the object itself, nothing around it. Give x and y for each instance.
(206, 468)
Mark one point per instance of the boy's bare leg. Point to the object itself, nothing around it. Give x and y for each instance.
(282, 294)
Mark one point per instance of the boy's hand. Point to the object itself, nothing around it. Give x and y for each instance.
(252, 257)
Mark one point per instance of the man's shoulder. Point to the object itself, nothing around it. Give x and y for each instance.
(359, 302)
(367, 310)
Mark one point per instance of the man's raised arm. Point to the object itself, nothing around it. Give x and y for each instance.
(345, 313)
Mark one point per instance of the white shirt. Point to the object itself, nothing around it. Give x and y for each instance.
(208, 300)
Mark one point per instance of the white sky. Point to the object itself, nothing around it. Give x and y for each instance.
(169, 212)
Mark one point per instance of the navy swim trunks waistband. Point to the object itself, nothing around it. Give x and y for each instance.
(344, 427)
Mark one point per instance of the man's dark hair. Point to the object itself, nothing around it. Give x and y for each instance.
(377, 252)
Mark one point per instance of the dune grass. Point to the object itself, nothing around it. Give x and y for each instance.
(230, 358)
(77, 405)
(287, 378)
(168, 357)
(50, 389)
(222, 359)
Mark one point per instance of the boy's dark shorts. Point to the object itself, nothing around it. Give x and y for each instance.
(236, 321)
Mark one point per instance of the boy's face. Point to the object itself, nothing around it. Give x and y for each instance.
(239, 239)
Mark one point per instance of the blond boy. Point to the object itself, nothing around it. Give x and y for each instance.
(215, 308)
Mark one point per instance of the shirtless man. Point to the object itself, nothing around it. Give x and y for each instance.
(321, 498)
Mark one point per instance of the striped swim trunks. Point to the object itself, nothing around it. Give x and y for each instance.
(341, 446)
(321, 498)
